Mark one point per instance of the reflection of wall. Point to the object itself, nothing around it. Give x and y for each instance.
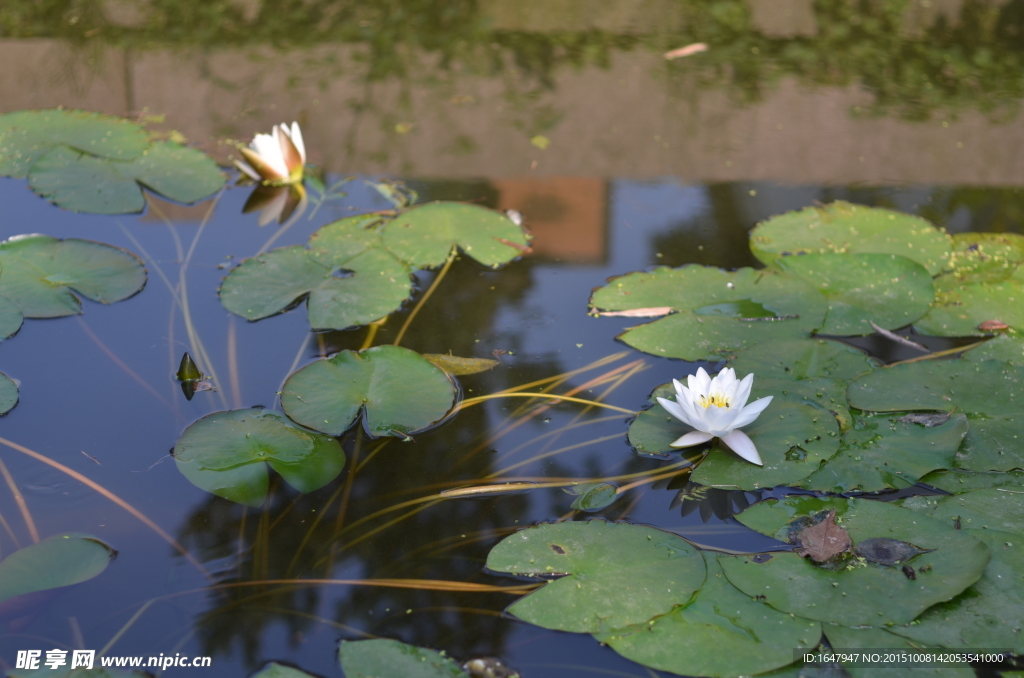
(565, 214)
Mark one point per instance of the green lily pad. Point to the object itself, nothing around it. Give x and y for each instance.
(384, 658)
(25, 136)
(960, 308)
(993, 509)
(881, 452)
(397, 390)
(988, 392)
(986, 257)
(424, 236)
(859, 594)
(8, 394)
(826, 392)
(226, 453)
(86, 183)
(798, 309)
(592, 496)
(804, 359)
(60, 560)
(1008, 348)
(346, 277)
(956, 481)
(275, 670)
(10, 317)
(615, 574)
(841, 227)
(869, 639)
(886, 289)
(722, 632)
(989, 614)
(97, 672)
(37, 274)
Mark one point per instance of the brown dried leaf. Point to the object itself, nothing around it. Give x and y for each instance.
(823, 541)
(453, 364)
(637, 312)
(993, 326)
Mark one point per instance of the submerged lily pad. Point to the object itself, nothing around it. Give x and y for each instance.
(25, 136)
(988, 392)
(881, 452)
(60, 560)
(425, 235)
(226, 453)
(883, 639)
(346, 277)
(397, 391)
(993, 509)
(804, 359)
(860, 594)
(615, 574)
(8, 394)
(886, 289)
(592, 496)
(960, 309)
(385, 658)
(842, 227)
(38, 274)
(694, 334)
(722, 632)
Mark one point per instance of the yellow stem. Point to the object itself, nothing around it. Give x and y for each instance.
(504, 394)
(426, 295)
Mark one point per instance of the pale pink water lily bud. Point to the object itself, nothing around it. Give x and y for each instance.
(717, 408)
(275, 158)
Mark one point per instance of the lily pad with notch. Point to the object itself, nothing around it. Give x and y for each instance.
(710, 302)
(227, 453)
(722, 632)
(885, 289)
(424, 236)
(804, 359)
(397, 391)
(861, 593)
(609, 575)
(845, 228)
(386, 658)
(60, 560)
(8, 394)
(10, 317)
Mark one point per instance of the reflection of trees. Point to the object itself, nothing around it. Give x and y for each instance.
(998, 210)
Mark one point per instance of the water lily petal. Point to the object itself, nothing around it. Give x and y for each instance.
(694, 438)
(257, 162)
(296, 137)
(699, 383)
(741, 444)
(289, 151)
(268, 150)
(685, 399)
(752, 411)
(247, 169)
(724, 382)
(743, 391)
(717, 420)
(676, 411)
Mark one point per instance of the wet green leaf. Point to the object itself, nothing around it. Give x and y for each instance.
(958, 481)
(723, 632)
(10, 317)
(825, 392)
(804, 359)
(990, 613)
(986, 257)
(38, 274)
(453, 364)
(397, 391)
(859, 594)
(845, 228)
(593, 496)
(880, 452)
(60, 560)
(348, 278)
(187, 369)
(423, 236)
(226, 453)
(8, 394)
(616, 574)
(25, 136)
(960, 308)
(1006, 347)
(886, 289)
(798, 309)
(882, 639)
(992, 509)
(988, 392)
(275, 670)
(384, 658)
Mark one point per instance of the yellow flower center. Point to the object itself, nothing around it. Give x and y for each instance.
(716, 399)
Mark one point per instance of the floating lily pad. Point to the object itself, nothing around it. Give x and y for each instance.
(384, 658)
(60, 560)
(880, 452)
(886, 289)
(654, 428)
(226, 453)
(723, 632)
(397, 390)
(958, 481)
(1006, 347)
(86, 183)
(841, 227)
(960, 308)
(986, 257)
(797, 309)
(8, 394)
(988, 392)
(992, 509)
(346, 277)
(868, 639)
(97, 672)
(38, 274)
(592, 496)
(990, 614)
(424, 236)
(860, 594)
(275, 670)
(615, 574)
(825, 392)
(25, 136)
(10, 316)
(804, 359)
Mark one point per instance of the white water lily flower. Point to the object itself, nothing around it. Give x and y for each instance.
(717, 408)
(276, 158)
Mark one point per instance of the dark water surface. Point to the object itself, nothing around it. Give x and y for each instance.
(649, 163)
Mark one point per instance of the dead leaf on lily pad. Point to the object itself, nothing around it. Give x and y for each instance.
(889, 552)
(824, 540)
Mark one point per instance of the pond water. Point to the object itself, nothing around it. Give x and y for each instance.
(618, 159)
